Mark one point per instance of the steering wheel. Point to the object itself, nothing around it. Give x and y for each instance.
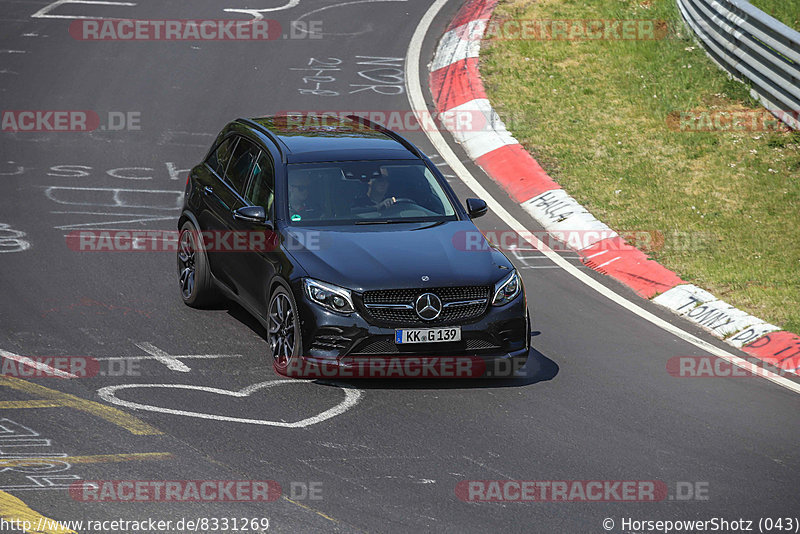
(368, 209)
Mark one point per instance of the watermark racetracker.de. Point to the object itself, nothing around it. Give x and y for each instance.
(39, 120)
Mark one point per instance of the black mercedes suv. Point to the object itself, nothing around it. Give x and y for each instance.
(346, 243)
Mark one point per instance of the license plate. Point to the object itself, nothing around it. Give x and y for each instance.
(427, 335)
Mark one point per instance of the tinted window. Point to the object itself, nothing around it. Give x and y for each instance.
(261, 191)
(244, 155)
(218, 159)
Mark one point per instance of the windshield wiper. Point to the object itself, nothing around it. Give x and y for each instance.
(392, 221)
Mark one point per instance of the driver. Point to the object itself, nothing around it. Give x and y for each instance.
(375, 196)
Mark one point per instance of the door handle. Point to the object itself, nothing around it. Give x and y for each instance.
(208, 190)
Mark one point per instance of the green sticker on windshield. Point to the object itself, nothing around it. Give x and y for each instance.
(296, 217)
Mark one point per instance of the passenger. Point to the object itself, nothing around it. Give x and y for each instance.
(300, 206)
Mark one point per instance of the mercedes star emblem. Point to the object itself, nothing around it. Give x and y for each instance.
(428, 306)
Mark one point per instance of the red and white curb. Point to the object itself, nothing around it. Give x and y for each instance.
(456, 87)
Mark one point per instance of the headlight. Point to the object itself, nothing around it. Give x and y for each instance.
(329, 296)
(506, 289)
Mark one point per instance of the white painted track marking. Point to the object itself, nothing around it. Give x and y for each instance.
(94, 225)
(417, 101)
(44, 13)
(257, 14)
(11, 240)
(49, 371)
(180, 356)
(116, 201)
(352, 397)
(172, 362)
(342, 4)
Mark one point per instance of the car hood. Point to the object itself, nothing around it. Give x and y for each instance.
(397, 256)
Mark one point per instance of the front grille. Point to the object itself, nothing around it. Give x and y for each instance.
(407, 296)
(408, 317)
(480, 344)
(380, 346)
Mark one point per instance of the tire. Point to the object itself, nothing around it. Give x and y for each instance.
(283, 333)
(194, 275)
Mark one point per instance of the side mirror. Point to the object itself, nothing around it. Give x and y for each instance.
(252, 214)
(476, 208)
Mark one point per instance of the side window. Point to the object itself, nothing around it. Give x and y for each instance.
(218, 159)
(261, 191)
(244, 155)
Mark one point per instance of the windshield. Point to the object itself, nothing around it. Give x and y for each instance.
(365, 192)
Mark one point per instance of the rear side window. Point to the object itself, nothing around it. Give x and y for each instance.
(244, 156)
(261, 191)
(218, 159)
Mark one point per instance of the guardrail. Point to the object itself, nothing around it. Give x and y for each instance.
(753, 46)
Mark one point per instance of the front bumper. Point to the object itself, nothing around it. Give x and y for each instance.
(494, 343)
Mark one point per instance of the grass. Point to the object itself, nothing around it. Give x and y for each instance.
(596, 115)
(786, 11)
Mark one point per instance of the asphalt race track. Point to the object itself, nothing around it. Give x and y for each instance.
(596, 402)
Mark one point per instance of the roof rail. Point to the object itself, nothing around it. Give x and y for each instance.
(278, 143)
(389, 133)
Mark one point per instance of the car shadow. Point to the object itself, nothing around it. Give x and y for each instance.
(246, 318)
(538, 368)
